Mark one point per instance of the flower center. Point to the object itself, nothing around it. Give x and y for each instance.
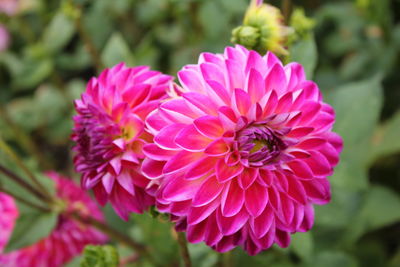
(260, 145)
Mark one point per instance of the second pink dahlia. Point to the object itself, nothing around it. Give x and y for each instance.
(245, 151)
(109, 133)
(9, 213)
(68, 238)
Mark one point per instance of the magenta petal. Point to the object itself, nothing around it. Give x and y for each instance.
(197, 214)
(241, 101)
(209, 126)
(255, 86)
(191, 140)
(256, 198)
(318, 190)
(308, 220)
(276, 80)
(230, 225)
(201, 167)
(195, 233)
(219, 91)
(247, 177)
(155, 152)
(201, 102)
(208, 191)
(282, 238)
(191, 80)
(225, 172)
(213, 234)
(299, 132)
(125, 180)
(180, 189)
(301, 169)
(235, 73)
(152, 168)
(212, 72)
(262, 223)
(233, 199)
(319, 165)
(217, 148)
(166, 137)
(296, 190)
(181, 161)
(108, 182)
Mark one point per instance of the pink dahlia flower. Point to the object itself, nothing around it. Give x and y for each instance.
(245, 151)
(69, 237)
(9, 214)
(109, 133)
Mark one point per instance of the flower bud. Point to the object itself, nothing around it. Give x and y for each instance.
(262, 29)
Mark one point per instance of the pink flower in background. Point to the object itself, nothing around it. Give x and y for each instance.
(68, 238)
(9, 214)
(9, 7)
(109, 133)
(4, 38)
(244, 151)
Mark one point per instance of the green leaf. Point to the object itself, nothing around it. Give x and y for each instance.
(334, 259)
(116, 51)
(357, 107)
(31, 226)
(100, 256)
(386, 138)
(58, 33)
(305, 52)
(303, 245)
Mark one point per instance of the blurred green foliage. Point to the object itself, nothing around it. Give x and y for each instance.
(354, 56)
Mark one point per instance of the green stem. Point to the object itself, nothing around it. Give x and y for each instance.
(18, 180)
(18, 161)
(24, 201)
(286, 9)
(184, 249)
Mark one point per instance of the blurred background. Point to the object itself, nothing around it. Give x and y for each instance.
(50, 49)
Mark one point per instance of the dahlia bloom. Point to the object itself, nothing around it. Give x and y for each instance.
(245, 151)
(69, 237)
(4, 38)
(109, 134)
(9, 214)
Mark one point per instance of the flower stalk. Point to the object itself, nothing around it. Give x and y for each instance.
(184, 249)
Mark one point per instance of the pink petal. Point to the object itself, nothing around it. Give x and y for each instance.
(195, 233)
(155, 152)
(299, 132)
(180, 161)
(255, 86)
(236, 74)
(241, 101)
(201, 102)
(125, 180)
(255, 61)
(301, 169)
(308, 220)
(296, 190)
(201, 167)
(225, 172)
(319, 165)
(166, 137)
(219, 91)
(191, 80)
(311, 143)
(247, 177)
(276, 80)
(191, 140)
(266, 177)
(198, 214)
(282, 238)
(232, 199)
(318, 190)
(230, 225)
(271, 101)
(138, 93)
(152, 168)
(212, 72)
(209, 126)
(108, 182)
(284, 103)
(213, 234)
(208, 191)
(256, 199)
(180, 189)
(217, 148)
(262, 223)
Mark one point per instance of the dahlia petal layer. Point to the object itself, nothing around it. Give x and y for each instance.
(245, 149)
